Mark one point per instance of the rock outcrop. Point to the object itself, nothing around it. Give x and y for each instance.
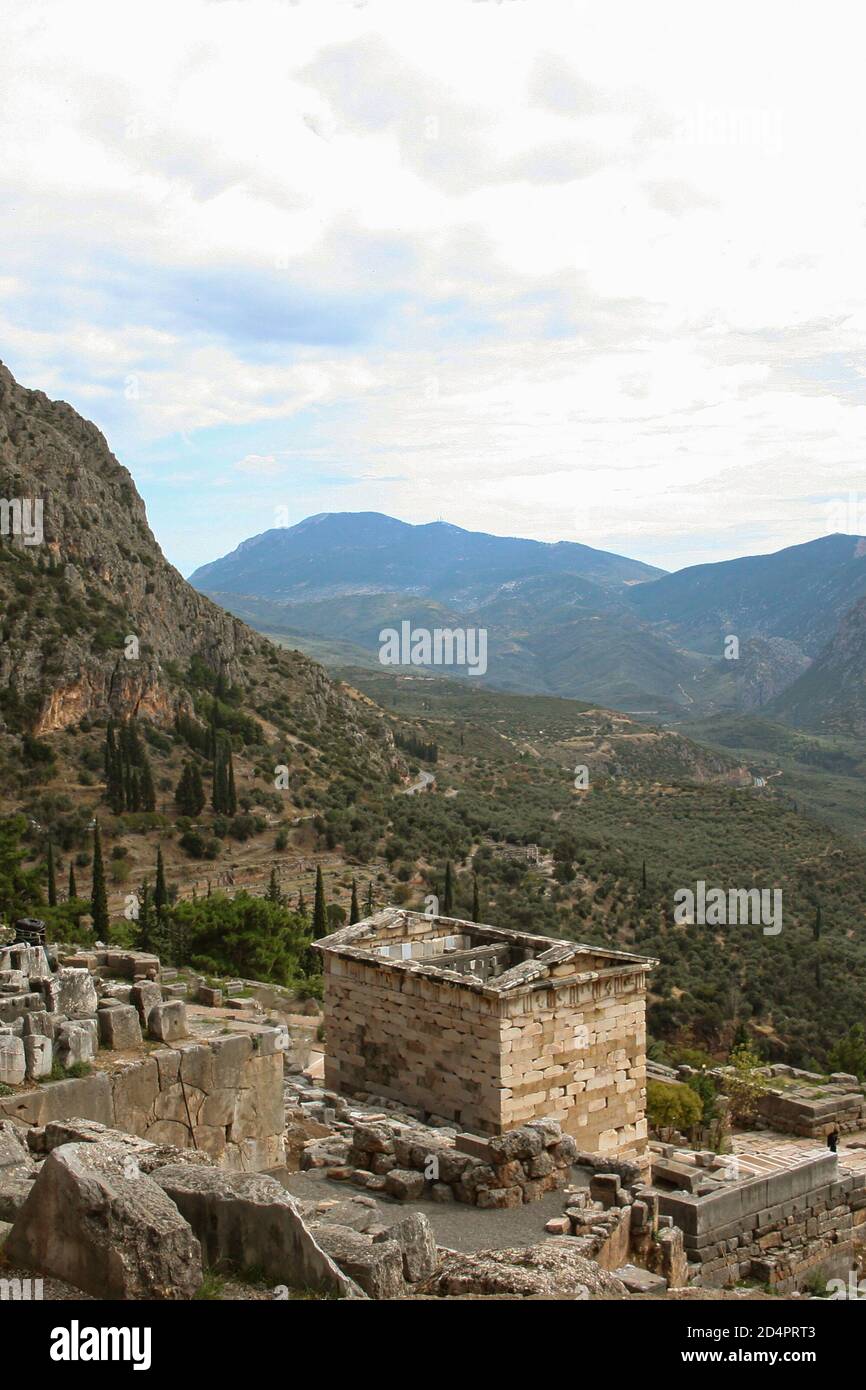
(96, 1221)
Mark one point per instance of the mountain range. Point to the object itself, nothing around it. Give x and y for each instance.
(562, 618)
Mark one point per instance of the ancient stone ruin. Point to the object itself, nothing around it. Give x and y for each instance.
(489, 1028)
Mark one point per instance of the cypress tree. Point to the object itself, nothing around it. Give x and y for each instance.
(189, 794)
(476, 905)
(52, 882)
(98, 895)
(218, 800)
(273, 894)
(368, 906)
(147, 791)
(643, 876)
(302, 906)
(231, 794)
(320, 919)
(354, 910)
(448, 894)
(160, 895)
(144, 925)
(72, 891)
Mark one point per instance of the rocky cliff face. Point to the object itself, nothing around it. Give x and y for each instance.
(71, 601)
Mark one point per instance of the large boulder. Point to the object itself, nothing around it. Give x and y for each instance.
(247, 1220)
(553, 1269)
(94, 1220)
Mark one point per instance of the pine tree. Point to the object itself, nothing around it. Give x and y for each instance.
(98, 895)
(320, 917)
(52, 882)
(72, 891)
(354, 910)
(160, 894)
(448, 894)
(476, 904)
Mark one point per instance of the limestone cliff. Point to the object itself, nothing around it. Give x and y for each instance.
(69, 604)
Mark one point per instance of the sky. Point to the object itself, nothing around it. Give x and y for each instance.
(538, 267)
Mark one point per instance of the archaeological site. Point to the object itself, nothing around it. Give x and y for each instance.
(464, 1116)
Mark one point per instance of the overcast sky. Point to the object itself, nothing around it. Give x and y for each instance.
(571, 271)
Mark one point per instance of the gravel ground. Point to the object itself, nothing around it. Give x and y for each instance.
(456, 1226)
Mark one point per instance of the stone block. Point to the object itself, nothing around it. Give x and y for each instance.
(145, 995)
(167, 1022)
(119, 1028)
(70, 991)
(13, 1061)
(39, 1054)
(404, 1184)
(415, 1238)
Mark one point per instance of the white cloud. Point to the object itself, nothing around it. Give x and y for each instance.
(560, 270)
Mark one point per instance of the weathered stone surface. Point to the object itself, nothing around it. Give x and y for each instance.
(14, 1192)
(167, 1022)
(638, 1280)
(96, 1222)
(554, 1268)
(13, 1062)
(145, 995)
(15, 1156)
(70, 991)
(377, 1267)
(119, 1027)
(516, 1144)
(75, 1044)
(39, 1055)
(248, 1220)
(88, 1095)
(414, 1235)
(404, 1184)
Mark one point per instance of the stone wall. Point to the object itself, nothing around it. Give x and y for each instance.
(559, 1032)
(775, 1229)
(428, 1043)
(577, 1053)
(223, 1096)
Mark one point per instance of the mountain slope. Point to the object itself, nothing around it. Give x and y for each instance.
(69, 605)
(799, 593)
(831, 695)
